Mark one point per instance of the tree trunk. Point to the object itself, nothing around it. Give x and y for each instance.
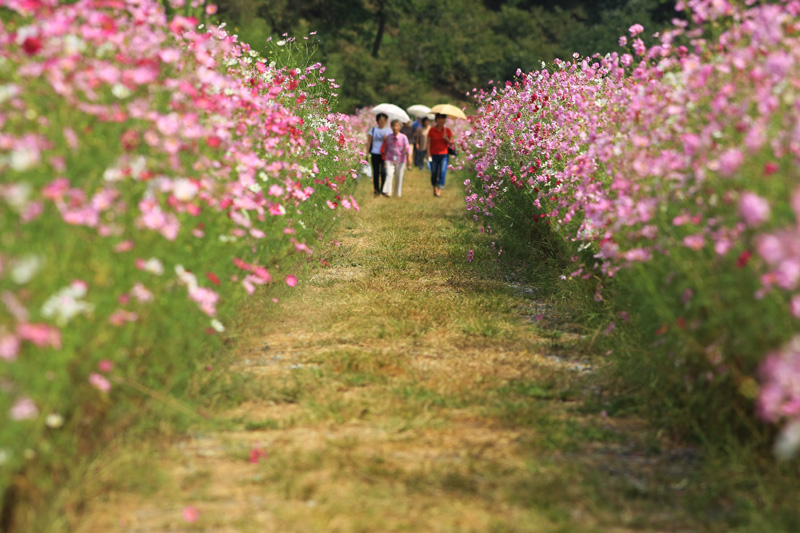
(381, 27)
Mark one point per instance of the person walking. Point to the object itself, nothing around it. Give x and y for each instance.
(439, 139)
(408, 131)
(375, 137)
(421, 144)
(395, 151)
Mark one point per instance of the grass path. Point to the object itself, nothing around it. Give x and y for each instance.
(400, 389)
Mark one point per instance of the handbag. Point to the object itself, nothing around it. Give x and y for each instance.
(451, 150)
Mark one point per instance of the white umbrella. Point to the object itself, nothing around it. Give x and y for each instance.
(392, 111)
(419, 110)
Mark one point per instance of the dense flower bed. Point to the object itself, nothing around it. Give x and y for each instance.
(674, 165)
(153, 171)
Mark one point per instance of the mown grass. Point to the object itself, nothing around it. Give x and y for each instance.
(404, 389)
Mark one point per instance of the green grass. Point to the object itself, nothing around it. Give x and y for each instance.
(738, 485)
(412, 394)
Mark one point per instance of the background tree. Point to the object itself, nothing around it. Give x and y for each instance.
(426, 51)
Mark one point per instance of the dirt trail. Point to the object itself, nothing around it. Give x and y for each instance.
(399, 389)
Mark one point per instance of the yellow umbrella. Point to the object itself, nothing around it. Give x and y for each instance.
(450, 110)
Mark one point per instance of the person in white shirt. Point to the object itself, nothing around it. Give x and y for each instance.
(375, 137)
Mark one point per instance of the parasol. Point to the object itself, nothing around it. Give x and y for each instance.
(392, 111)
(449, 110)
(419, 110)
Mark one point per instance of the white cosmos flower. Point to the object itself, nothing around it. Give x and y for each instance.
(23, 159)
(184, 189)
(25, 268)
(67, 303)
(54, 420)
(18, 195)
(120, 91)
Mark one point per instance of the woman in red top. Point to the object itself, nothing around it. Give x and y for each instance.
(439, 138)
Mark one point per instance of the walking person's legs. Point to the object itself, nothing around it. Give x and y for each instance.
(398, 179)
(376, 161)
(442, 174)
(438, 170)
(434, 170)
(383, 173)
(390, 171)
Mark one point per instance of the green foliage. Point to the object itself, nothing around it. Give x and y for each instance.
(163, 362)
(661, 369)
(425, 51)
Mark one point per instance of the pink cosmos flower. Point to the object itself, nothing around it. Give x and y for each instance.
(638, 47)
(687, 296)
(141, 293)
(779, 396)
(256, 453)
(121, 316)
(83, 216)
(190, 514)
(772, 247)
(124, 246)
(730, 161)
(637, 254)
(723, 246)
(23, 409)
(291, 280)
(795, 202)
(636, 29)
(13, 305)
(55, 189)
(303, 247)
(32, 45)
(695, 242)
(794, 306)
(205, 298)
(99, 382)
(753, 208)
(9, 347)
(32, 212)
(71, 137)
(770, 168)
(41, 335)
(169, 55)
(680, 220)
(250, 281)
(354, 203)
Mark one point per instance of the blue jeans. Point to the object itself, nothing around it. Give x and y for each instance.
(439, 169)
